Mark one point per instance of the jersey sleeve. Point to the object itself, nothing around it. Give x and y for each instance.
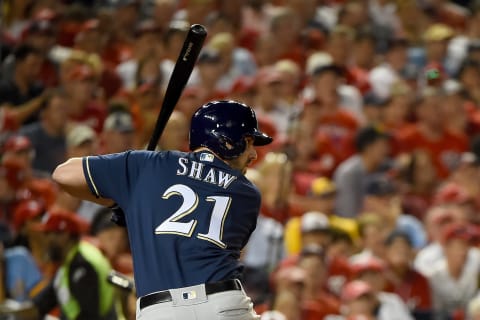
(113, 176)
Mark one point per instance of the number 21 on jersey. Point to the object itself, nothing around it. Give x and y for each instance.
(189, 204)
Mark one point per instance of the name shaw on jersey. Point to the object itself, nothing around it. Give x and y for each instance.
(198, 171)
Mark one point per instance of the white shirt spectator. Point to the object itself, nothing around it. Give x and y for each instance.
(427, 256)
(448, 293)
(392, 307)
(126, 71)
(381, 79)
(265, 247)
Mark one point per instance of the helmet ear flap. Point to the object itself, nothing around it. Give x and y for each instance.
(230, 148)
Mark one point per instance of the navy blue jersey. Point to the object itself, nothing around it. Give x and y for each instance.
(188, 214)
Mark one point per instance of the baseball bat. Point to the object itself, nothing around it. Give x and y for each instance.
(179, 78)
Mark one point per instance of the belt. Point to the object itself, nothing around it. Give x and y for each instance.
(210, 288)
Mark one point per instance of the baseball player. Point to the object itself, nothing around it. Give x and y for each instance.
(188, 215)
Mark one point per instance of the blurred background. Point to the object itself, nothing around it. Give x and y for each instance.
(371, 189)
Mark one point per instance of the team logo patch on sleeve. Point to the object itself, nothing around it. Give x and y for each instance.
(208, 157)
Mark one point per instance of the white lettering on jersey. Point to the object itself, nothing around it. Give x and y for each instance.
(224, 179)
(196, 170)
(182, 162)
(210, 177)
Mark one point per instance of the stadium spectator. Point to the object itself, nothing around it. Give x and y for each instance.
(406, 71)
(85, 269)
(118, 133)
(454, 278)
(383, 76)
(372, 237)
(358, 302)
(317, 302)
(269, 103)
(402, 279)
(23, 85)
(382, 197)
(390, 306)
(419, 181)
(146, 45)
(20, 276)
(437, 220)
(372, 147)
(48, 135)
(431, 134)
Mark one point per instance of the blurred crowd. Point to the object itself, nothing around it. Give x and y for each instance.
(371, 189)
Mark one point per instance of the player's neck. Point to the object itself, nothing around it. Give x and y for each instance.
(216, 155)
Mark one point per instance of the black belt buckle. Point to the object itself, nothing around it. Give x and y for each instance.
(210, 288)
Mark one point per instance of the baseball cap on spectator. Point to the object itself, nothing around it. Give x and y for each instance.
(372, 99)
(321, 62)
(369, 135)
(434, 74)
(331, 67)
(222, 41)
(372, 264)
(209, 55)
(242, 85)
(146, 26)
(287, 66)
(451, 193)
(59, 220)
(174, 27)
(322, 187)
(400, 88)
(268, 75)
(27, 210)
(314, 221)
(17, 143)
(79, 135)
(469, 158)
(119, 121)
(398, 233)
(438, 32)
(379, 185)
(452, 87)
(354, 290)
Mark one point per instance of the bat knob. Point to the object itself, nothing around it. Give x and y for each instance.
(198, 29)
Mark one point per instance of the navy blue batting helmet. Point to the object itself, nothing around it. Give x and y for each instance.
(222, 127)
